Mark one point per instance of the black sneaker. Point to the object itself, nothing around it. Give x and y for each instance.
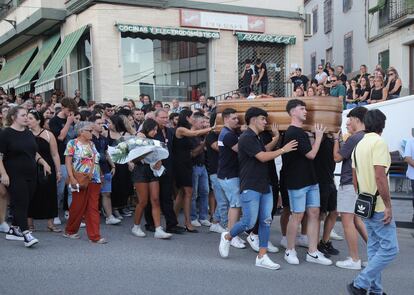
(14, 234)
(352, 290)
(327, 248)
(29, 240)
(175, 229)
(125, 212)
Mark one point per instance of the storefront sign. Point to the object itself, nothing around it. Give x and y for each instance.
(168, 31)
(223, 21)
(288, 40)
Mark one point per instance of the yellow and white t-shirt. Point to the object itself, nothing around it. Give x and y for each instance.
(371, 151)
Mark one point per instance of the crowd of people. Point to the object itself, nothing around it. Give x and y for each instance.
(224, 180)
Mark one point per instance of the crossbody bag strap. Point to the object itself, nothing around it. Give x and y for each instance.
(356, 169)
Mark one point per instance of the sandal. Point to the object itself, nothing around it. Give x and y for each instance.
(31, 228)
(54, 229)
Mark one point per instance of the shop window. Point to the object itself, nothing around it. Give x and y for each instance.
(164, 69)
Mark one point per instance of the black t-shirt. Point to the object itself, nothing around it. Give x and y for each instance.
(257, 70)
(297, 81)
(19, 152)
(346, 151)
(298, 169)
(56, 125)
(228, 166)
(82, 103)
(211, 155)
(168, 139)
(254, 175)
(324, 162)
(343, 78)
(248, 76)
(101, 145)
(199, 159)
(266, 137)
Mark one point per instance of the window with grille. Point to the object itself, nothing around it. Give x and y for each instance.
(348, 61)
(346, 5)
(313, 64)
(327, 15)
(329, 57)
(315, 20)
(384, 59)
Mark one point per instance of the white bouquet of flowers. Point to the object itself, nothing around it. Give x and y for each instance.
(151, 151)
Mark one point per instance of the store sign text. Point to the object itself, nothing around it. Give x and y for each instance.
(167, 31)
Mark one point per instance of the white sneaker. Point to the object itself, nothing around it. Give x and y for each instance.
(349, 263)
(364, 263)
(283, 242)
(224, 246)
(205, 222)
(318, 257)
(57, 221)
(272, 248)
(118, 215)
(29, 240)
(195, 223)
(111, 220)
(66, 215)
(161, 234)
(291, 257)
(265, 262)
(4, 227)
(253, 241)
(137, 231)
(82, 225)
(217, 228)
(302, 241)
(236, 242)
(335, 236)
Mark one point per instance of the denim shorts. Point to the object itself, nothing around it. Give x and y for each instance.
(107, 183)
(231, 188)
(306, 197)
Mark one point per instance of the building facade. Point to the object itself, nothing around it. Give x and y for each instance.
(112, 50)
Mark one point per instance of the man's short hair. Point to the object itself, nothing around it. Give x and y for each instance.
(298, 69)
(340, 66)
(227, 112)
(358, 112)
(374, 121)
(248, 61)
(173, 115)
(254, 112)
(107, 105)
(157, 112)
(258, 61)
(293, 103)
(211, 98)
(69, 103)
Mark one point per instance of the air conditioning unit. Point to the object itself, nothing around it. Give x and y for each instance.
(308, 25)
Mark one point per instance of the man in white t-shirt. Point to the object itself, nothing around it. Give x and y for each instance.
(409, 158)
(321, 76)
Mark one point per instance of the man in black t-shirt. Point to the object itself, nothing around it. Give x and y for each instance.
(298, 79)
(60, 125)
(302, 184)
(255, 186)
(261, 73)
(247, 77)
(79, 100)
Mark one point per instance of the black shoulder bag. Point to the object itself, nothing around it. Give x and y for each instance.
(365, 203)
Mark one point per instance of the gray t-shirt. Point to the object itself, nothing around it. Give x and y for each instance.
(346, 153)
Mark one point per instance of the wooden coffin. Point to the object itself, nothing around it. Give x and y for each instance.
(326, 110)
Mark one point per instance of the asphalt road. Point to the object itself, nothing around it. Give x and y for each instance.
(186, 264)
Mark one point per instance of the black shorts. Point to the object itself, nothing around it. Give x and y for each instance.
(143, 173)
(328, 196)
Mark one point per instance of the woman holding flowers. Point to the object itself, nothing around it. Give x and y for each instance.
(147, 187)
(82, 157)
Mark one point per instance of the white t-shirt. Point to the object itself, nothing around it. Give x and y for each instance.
(320, 76)
(409, 152)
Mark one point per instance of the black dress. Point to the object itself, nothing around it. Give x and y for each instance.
(376, 94)
(122, 186)
(183, 167)
(44, 203)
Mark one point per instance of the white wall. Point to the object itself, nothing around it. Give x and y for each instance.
(291, 5)
(343, 23)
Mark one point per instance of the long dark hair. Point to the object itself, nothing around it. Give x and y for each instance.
(182, 119)
(38, 117)
(148, 126)
(118, 123)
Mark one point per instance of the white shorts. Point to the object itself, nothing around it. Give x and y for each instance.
(346, 199)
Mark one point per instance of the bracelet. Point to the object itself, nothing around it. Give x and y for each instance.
(283, 151)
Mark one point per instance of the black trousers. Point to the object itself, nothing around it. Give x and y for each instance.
(166, 203)
(21, 191)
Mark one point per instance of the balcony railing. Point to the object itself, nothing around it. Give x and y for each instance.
(394, 11)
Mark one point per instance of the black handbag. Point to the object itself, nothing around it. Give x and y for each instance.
(365, 203)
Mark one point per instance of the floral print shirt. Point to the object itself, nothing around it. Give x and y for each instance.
(82, 158)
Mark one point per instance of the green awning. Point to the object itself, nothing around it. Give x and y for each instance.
(168, 31)
(281, 39)
(10, 74)
(46, 81)
(24, 83)
(380, 5)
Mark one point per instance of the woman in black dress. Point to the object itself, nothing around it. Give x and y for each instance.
(18, 158)
(378, 92)
(122, 186)
(44, 203)
(183, 167)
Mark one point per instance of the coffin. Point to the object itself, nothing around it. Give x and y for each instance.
(326, 110)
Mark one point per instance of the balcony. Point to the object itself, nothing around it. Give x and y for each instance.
(396, 13)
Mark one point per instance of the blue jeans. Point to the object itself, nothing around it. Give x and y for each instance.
(382, 248)
(61, 188)
(351, 105)
(255, 204)
(200, 193)
(222, 208)
(231, 189)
